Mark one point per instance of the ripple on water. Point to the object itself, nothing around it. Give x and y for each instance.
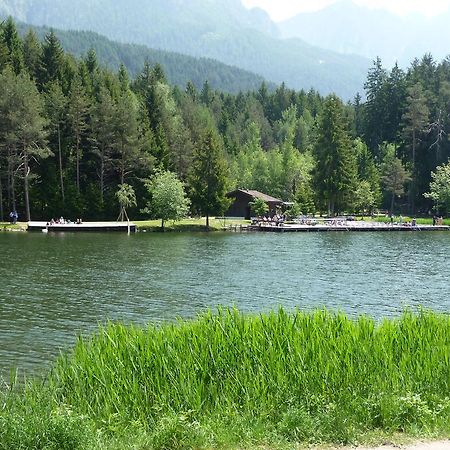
(57, 286)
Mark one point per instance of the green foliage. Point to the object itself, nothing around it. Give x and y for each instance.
(168, 198)
(259, 207)
(440, 188)
(294, 211)
(364, 197)
(310, 377)
(209, 177)
(101, 129)
(32, 420)
(394, 175)
(223, 30)
(126, 198)
(336, 171)
(179, 68)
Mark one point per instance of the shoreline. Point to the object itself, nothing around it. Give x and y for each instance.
(233, 225)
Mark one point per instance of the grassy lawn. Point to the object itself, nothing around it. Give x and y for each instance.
(6, 226)
(420, 221)
(194, 224)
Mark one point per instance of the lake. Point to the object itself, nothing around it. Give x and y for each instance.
(55, 286)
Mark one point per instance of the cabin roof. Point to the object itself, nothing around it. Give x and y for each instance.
(254, 195)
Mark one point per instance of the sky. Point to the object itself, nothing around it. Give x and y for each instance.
(283, 9)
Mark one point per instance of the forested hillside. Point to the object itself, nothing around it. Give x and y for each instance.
(73, 132)
(179, 68)
(223, 30)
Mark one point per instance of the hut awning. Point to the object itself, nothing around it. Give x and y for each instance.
(254, 195)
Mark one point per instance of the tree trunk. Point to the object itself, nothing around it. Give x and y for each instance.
(413, 178)
(102, 177)
(1, 200)
(207, 220)
(78, 166)
(11, 187)
(61, 175)
(392, 203)
(26, 171)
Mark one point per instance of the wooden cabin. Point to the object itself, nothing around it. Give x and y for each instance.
(242, 199)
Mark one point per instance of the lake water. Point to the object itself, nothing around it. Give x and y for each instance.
(55, 286)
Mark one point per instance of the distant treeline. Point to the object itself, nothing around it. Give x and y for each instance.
(179, 68)
(72, 131)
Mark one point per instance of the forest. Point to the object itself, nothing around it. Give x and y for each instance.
(73, 133)
(178, 68)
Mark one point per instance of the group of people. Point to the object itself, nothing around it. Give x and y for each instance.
(401, 222)
(276, 220)
(62, 221)
(438, 220)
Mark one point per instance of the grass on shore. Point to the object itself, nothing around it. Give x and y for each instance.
(193, 224)
(420, 220)
(7, 226)
(227, 380)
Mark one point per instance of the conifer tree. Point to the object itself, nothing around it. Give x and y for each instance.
(56, 107)
(52, 59)
(102, 136)
(32, 54)
(22, 111)
(376, 104)
(415, 120)
(336, 170)
(209, 177)
(13, 44)
(77, 113)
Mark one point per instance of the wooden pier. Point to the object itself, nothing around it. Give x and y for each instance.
(344, 227)
(85, 227)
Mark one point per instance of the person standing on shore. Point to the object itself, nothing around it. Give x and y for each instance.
(13, 216)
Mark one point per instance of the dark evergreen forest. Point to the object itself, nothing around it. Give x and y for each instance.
(179, 68)
(73, 131)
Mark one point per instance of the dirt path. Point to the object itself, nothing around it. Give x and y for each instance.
(440, 445)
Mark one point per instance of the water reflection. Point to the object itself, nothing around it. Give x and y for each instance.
(54, 286)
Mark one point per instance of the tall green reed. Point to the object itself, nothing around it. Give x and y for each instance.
(306, 368)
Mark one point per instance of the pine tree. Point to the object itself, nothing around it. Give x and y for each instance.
(394, 176)
(32, 53)
(52, 59)
(376, 105)
(77, 113)
(11, 40)
(336, 170)
(209, 177)
(22, 110)
(415, 120)
(56, 107)
(128, 157)
(102, 135)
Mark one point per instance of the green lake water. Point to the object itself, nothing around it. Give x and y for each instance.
(55, 286)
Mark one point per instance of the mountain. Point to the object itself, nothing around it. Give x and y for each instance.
(351, 29)
(178, 68)
(220, 29)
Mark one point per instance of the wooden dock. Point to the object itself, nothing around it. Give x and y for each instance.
(346, 227)
(85, 227)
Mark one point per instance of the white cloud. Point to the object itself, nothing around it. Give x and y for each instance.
(282, 9)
